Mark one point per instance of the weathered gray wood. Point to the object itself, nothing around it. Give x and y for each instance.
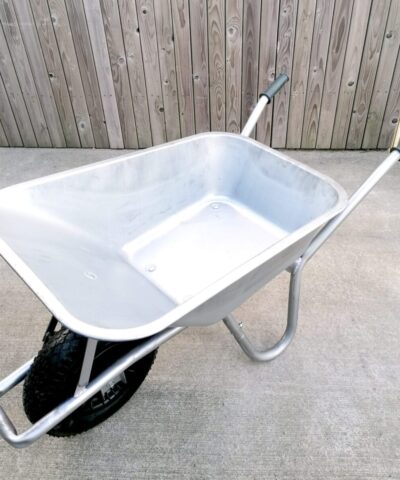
(3, 138)
(267, 58)
(87, 69)
(103, 67)
(119, 69)
(181, 23)
(73, 78)
(55, 70)
(301, 62)
(387, 63)
(284, 61)
(201, 88)
(233, 77)
(366, 78)
(133, 49)
(23, 70)
(148, 38)
(392, 111)
(334, 68)
(216, 53)
(38, 67)
(15, 96)
(166, 54)
(9, 125)
(354, 49)
(322, 28)
(251, 36)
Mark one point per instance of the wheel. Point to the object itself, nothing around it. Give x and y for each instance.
(55, 372)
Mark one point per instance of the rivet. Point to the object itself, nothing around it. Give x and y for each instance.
(90, 275)
(215, 206)
(150, 268)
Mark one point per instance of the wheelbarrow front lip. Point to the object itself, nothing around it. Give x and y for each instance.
(181, 310)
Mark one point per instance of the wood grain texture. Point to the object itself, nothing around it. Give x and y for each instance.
(119, 69)
(166, 51)
(334, 69)
(322, 28)
(201, 88)
(301, 62)
(284, 61)
(148, 38)
(267, 59)
(366, 78)
(39, 71)
(22, 67)
(216, 54)
(70, 64)
(134, 73)
(233, 76)
(48, 42)
(384, 75)
(15, 95)
(3, 138)
(181, 23)
(392, 111)
(133, 49)
(348, 85)
(100, 53)
(87, 69)
(251, 36)
(9, 125)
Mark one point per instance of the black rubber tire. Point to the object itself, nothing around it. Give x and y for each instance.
(55, 372)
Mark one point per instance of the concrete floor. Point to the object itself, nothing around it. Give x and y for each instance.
(327, 409)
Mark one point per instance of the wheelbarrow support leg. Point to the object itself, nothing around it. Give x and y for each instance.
(291, 325)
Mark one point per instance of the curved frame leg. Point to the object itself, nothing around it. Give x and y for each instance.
(293, 309)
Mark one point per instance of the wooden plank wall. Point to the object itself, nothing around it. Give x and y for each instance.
(136, 73)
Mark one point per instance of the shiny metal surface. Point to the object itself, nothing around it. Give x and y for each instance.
(53, 418)
(178, 234)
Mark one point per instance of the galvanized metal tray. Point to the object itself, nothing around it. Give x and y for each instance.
(177, 234)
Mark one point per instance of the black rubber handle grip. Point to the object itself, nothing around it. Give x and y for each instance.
(275, 86)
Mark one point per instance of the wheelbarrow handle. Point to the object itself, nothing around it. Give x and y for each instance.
(395, 145)
(265, 98)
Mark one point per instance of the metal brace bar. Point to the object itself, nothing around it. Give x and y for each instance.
(293, 311)
(87, 365)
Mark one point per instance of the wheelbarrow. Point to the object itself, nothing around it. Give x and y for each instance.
(127, 253)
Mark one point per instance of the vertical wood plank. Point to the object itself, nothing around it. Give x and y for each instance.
(354, 49)
(7, 119)
(284, 61)
(133, 49)
(83, 50)
(148, 39)
(322, 28)
(70, 65)
(3, 138)
(251, 36)
(334, 68)
(233, 76)
(301, 63)
(392, 111)
(387, 63)
(36, 60)
(216, 53)
(23, 70)
(199, 39)
(55, 70)
(104, 74)
(181, 22)
(366, 78)
(119, 70)
(166, 53)
(267, 64)
(15, 96)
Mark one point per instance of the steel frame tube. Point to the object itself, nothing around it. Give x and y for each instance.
(49, 421)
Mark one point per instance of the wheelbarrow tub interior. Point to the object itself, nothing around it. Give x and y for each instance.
(178, 234)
